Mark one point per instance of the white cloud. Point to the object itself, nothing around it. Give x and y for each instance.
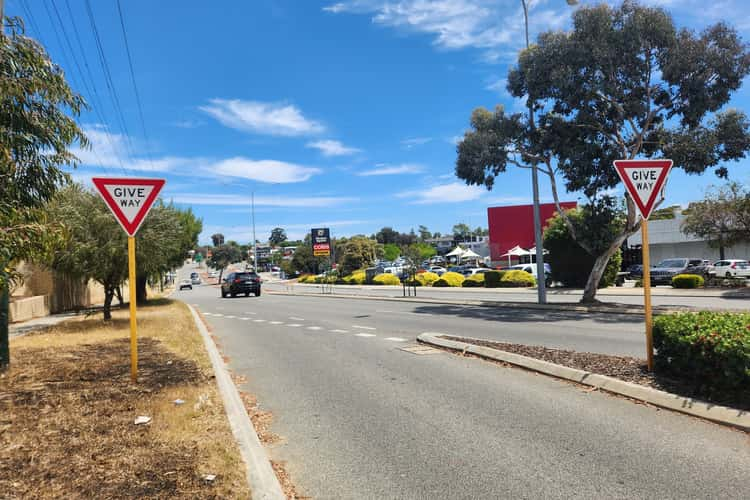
(382, 169)
(415, 141)
(109, 151)
(262, 170)
(262, 117)
(460, 24)
(498, 85)
(332, 148)
(260, 201)
(453, 192)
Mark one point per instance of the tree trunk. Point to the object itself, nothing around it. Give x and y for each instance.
(118, 294)
(721, 253)
(109, 293)
(141, 295)
(221, 273)
(600, 265)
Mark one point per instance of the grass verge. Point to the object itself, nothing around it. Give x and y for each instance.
(67, 411)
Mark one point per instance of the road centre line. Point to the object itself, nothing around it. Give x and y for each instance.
(364, 327)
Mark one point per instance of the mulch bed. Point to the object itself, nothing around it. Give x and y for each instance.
(621, 367)
(67, 431)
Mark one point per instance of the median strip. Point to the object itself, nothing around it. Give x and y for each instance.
(736, 417)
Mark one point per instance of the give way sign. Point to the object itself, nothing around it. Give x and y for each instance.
(644, 180)
(129, 199)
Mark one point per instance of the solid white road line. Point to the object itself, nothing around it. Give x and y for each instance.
(395, 339)
(364, 335)
(363, 327)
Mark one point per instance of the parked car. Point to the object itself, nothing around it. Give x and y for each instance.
(730, 268)
(531, 269)
(195, 279)
(471, 271)
(186, 284)
(437, 270)
(664, 271)
(635, 271)
(241, 282)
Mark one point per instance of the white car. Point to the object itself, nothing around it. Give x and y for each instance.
(731, 268)
(438, 270)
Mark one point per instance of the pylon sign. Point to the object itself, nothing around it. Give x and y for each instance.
(644, 180)
(129, 199)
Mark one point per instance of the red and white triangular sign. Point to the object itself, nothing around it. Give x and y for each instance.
(129, 199)
(644, 180)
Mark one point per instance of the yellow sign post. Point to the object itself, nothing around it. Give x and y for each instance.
(133, 324)
(644, 181)
(130, 200)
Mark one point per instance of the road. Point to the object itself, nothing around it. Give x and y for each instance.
(661, 296)
(360, 417)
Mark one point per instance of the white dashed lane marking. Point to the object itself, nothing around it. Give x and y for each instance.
(276, 322)
(230, 317)
(314, 328)
(395, 339)
(250, 312)
(245, 318)
(363, 327)
(259, 321)
(295, 318)
(339, 331)
(364, 335)
(293, 325)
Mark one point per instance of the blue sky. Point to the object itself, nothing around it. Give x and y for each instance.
(334, 114)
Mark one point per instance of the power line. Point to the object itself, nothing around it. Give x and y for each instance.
(108, 79)
(63, 51)
(135, 86)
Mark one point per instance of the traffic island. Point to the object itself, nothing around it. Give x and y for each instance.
(620, 375)
(73, 425)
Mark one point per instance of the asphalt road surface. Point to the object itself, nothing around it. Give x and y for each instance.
(362, 417)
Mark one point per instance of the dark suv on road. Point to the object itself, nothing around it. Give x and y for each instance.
(244, 282)
(664, 271)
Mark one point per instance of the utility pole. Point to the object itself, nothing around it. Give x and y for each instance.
(540, 276)
(255, 241)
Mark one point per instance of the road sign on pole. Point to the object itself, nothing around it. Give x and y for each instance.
(645, 181)
(130, 201)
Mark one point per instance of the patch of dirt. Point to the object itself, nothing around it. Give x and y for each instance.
(67, 431)
(621, 367)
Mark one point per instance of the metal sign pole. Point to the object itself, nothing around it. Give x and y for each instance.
(133, 325)
(647, 295)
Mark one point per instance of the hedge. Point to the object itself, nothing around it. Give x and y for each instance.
(492, 278)
(449, 279)
(517, 278)
(711, 349)
(306, 278)
(386, 279)
(687, 281)
(356, 278)
(474, 281)
(427, 278)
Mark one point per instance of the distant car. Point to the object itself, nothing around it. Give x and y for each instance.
(664, 271)
(731, 268)
(241, 282)
(437, 270)
(471, 271)
(196, 280)
(531, 269)
(186, 284)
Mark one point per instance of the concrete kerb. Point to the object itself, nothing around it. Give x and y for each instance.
(721, 414)
(260, 475)
(492, 303)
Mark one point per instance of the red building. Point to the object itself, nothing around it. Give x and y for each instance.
(514, 226)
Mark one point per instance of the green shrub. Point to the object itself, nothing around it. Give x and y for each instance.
(492, 278)
(356, 278)
(386, 279)
(453, 279)
(711, 349)
(427, 278)
(474, 281)
(570, 263)
(517, 278)
(687, 281)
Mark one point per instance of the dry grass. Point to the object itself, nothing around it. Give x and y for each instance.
(67, 409)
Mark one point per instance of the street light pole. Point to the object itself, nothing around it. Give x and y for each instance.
(539, 251)
(255, 240)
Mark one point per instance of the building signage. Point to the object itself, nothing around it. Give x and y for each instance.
(321, 242)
